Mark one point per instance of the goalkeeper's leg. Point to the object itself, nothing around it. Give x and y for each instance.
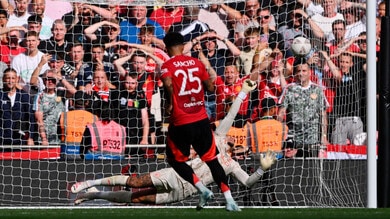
(117, 196)
(118, 180)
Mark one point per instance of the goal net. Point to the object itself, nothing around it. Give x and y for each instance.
(321, 149)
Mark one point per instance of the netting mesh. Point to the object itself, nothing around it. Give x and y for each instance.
(69, 66)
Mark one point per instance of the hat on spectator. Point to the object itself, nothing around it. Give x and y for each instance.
(81, 98)
(268, 103)
(275, 39)
(173, 39)
(59, 56)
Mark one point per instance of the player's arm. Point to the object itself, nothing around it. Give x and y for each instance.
(227, 122)
(167, 82)
(266, 161)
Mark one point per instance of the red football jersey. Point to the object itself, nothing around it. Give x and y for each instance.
(224, 91)
(187, 74)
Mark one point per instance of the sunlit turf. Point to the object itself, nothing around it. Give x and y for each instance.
(189, 213)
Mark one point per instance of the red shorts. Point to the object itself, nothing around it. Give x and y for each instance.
(198, 135)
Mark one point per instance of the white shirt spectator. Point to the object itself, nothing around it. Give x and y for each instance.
(25, 65)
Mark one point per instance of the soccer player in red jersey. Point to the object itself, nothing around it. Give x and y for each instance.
(185, 79)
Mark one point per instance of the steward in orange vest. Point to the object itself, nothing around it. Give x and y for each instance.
(72, 125)
(268, 133)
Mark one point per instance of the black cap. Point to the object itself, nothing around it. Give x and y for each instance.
(173, 39)
(57, 57)
(268, 103)
(81, 97)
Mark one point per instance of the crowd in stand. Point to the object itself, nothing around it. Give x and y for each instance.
(61, 57)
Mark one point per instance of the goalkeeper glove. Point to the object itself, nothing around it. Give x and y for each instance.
(267, 159)
(248, 86)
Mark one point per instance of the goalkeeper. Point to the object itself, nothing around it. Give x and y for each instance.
(165, 185)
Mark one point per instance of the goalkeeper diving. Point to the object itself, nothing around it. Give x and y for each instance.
(165, 185)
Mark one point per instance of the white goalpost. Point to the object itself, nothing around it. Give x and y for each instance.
(339, 175)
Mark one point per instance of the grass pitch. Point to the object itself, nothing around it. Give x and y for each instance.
(191, 213)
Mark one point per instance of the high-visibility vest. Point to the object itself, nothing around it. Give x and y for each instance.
(107, 138)
(267, 134)
(73, 125)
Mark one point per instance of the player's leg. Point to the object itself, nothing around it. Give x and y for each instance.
(207, 150)
(178, 150)
(147, 196)
(118, 180)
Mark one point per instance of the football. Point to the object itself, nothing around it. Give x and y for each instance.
(300, 46)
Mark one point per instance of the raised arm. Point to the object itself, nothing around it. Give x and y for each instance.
(90, 31)
(332, 67)
(118, 64)
(34, 81)
(228, 120)
(105, 13)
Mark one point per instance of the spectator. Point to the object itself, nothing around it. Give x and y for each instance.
(251, 19)
(252, 41)
(12, 48)
(77, 21)
(73, 122)
(100, 88)
(266, 27)
(108, 36)
(146, 81)
(354, 21)
(300, 24)
(136, 18)
(20, 15)
(167, 15)
(226, 91)
(190, 26)
(48, 108)
(132, 111)
(63, 69)
(280, 10)
(98, 63)
(303, 105)
(147, 37)
(75, 66)
(324, 20)
(103, 139)
(34, 23)
(57, 42)
(221, 18)
(273, 80)
(25, 63)
(349, 82)
(382, 8)
(38, 8)
(107, 12)
(3, 24)
(3, 67)
(340, 44)
(217, 58)
(64, 88)
(16, 115)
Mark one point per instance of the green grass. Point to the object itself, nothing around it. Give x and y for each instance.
(190, 213)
